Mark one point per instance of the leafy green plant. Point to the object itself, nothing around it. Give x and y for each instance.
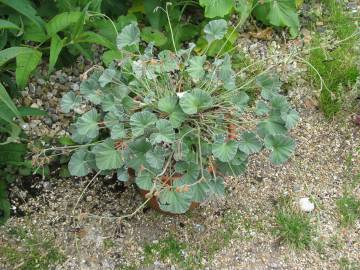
(12, 146)
(279, 13)
(334, 64)
(176, 120)
(24, 34)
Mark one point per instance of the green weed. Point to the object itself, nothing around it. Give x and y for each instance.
(166, 249)
(292, 227)
(349, 210)
(28, 250)
(346, 264)
(337, 66)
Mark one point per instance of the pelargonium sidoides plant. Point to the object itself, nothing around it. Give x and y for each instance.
(175, 119)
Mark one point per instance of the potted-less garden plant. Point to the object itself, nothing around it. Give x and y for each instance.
(175, 120)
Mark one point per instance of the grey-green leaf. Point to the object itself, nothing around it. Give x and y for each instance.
(91, 89)
(140, 121)
(225, 151)
(261, 108)
(270, 85)
(117, 132)
(173, 201)
(167, 104)
(196, 69)
(290, 118)
(87, 124)
(270, 127)
(165, 132)
(69, 101)
(144, 180)
(240, 100)
(249, 143)
(195, 101)
(129, 36)
(78, 164)
(215, 30)
(106, 156)
(155, 159)
(282, 147)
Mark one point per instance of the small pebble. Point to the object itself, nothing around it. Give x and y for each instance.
(306, 205)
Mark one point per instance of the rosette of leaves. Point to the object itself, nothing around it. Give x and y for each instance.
(168, 114)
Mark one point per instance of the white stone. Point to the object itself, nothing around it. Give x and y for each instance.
(306, 205)
(180, 94)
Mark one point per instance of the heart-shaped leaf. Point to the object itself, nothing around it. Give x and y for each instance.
(144, 180)
(249, 143)
(225, 151)
(168, 104)
(240, 100)
(173, 201)
(216, 8)
(196, 69)
(122, 174)
(78, 164)
(261, 108)
(117, 131)
(87, 124)
(195, 101)
(226, 73)
(270, 127)
(215, 30)
(270, 85)
(281, 146)
(106, 156)
(70, 101)
(140, 121)
(155, 158)
(129, 36)
(290, 118)
(165, 132)
(91, 90)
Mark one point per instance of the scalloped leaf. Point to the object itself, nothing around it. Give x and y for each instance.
(70, 101)
(155, 158)
(195, 68)
(270, 85)
(290, 118)
(106, 156)
(91, 89)
(165, 132)
(144, 180)
(78, 164)
(141, 121)
(282, 147)
(195, 101)
(173, 201)
(117, 132)
(249, 143)
(240, 100)
(216, 8)
(270, 127)
(215, 30)
(87, 124)
(225, 151)
(261, 108)
(129, 36)
(168, 104)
